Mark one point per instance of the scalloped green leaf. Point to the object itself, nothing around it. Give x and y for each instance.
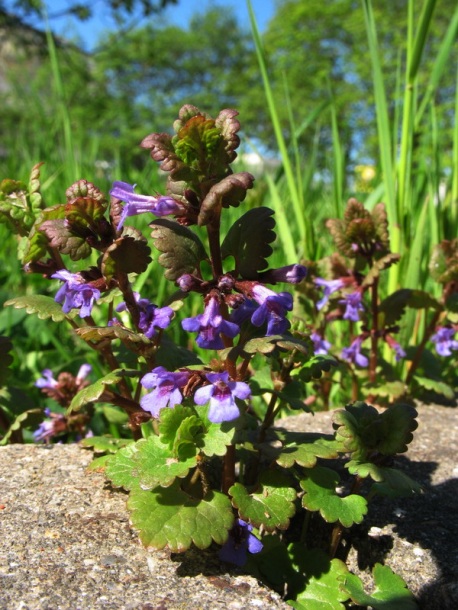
(320, 495)
(393, 307)
(121, 469)
(307, 453)
(389, 481)
(170, 421)
(390, 592)
(27, 419)
(316, 366)
(157, 465)
(435, 385)
(216, 437)
(173, 519)
(182, 251)
(361, 429)
(45, 307)
(125, 255)
(93, 392)
(378, 266)
(105, 444)
(101, 333)
(389, 389)
(272, 505)
(323, 577)
(248, 241)
(188, 437)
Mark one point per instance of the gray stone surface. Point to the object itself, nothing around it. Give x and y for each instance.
(417, 536)
(66, 542)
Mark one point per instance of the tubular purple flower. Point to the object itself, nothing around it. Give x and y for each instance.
(138, 204)
(444, 341)
(320, 346)
(330, 286)
(222, 393)
(273, 308)
(47, 381)
(75, 293)
(166, 388)
(293, 274)
(210, 325)
(83, 372)
(353, 305)
(44, 432)
(352, 353)
(151, 316)
(240, 541)
(243, 312)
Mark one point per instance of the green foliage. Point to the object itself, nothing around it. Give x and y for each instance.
(390, 592)
(170, 518)
(324, 580)
(362, 430)
(271, 505)
(320, 494)
(45, 307)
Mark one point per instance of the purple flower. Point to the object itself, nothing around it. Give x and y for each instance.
(138, 204)
(352, 353)
(75, 293)
(50, 427)
(166, 388)
(44, 432)
(445, 343)
(330, 286)
(47, 381)
(210, 325)
(151, 316)
(293, 274)
(399, 352)
(240, 541)
(222, 393)
(83, 372)
(353, 306)
(243, 312)
(320, 345)
(273, 308)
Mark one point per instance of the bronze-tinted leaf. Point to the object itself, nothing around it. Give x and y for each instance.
(125, 255)
(248, 242)
(182, 251)
(61, 238)
(228, 192)
(84, 189)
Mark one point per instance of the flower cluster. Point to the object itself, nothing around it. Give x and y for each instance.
(217, 389)
(62, 390)
(75, 293)
(152, 317)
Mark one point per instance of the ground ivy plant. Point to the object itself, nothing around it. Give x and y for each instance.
(205, 464)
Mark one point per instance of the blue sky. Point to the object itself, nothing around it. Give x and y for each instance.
(89, 31)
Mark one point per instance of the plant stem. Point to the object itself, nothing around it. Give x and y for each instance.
(229, 469)
(374, 333)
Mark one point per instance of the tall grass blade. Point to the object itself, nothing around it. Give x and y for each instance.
(439, 66)
(294, 193)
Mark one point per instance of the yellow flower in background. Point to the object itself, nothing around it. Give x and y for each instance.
(365, 174)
